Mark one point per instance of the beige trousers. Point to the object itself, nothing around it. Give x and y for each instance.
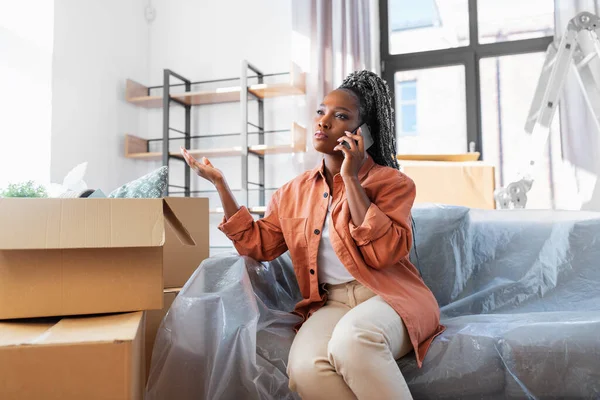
(347, 349)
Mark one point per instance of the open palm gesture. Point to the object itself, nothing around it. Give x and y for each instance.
(204, 169)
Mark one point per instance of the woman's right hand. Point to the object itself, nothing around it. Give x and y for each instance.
(204, 169)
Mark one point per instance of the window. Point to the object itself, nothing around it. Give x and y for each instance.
(408, 14)
(406, 104)
(507, 20)
(507, 87)
(476, 63)
(434, 118)
(425, 25)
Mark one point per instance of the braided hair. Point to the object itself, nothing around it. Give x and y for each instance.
(376, 111)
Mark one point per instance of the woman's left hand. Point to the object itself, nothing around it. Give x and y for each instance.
(353, 157)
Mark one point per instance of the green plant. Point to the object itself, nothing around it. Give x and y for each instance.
(24, 189)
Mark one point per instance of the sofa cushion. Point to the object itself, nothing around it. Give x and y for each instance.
(557, 359)
(462, 362)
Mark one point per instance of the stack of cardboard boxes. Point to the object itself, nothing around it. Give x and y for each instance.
(76, 279)
(179, 259)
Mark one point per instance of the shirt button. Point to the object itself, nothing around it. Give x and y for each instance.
(312, 271)
(325, 194)
(317, 231)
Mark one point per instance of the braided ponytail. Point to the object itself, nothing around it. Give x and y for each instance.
(376, 111)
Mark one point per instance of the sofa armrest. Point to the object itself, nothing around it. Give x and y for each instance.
(462, 362)
(227, 333)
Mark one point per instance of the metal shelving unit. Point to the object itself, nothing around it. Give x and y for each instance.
(139, 148)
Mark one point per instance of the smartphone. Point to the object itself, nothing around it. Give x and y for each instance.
(366, 134)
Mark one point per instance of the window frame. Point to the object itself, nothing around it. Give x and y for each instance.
(468, 56)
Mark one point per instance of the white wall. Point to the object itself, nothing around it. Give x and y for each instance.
(97, 46)
(25, 90)
(101, 44)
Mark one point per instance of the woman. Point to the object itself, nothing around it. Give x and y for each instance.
(347, 227)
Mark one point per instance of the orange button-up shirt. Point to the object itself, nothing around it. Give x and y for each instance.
(376, 253)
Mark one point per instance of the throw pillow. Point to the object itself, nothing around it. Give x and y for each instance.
(149, 186)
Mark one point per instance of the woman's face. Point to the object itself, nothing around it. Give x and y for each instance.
(338, 113)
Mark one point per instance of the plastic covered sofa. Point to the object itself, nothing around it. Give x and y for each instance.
(519, 293)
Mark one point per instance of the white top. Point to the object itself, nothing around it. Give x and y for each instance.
(330, 268)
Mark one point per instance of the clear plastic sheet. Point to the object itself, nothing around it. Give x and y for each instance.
(519, 291)
(228, 333)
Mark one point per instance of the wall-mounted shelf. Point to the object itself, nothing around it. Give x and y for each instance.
(139, 94)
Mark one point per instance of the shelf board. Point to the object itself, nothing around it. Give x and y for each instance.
(264, 91)
(137, 94)
(209, 97)
(260, 149)
(263, 149)
(214, 153)
(155, 156)
(230, 95)
(147, 101)
(260, 210)
(135, 147)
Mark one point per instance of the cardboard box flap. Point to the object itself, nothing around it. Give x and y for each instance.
(72, 330)
(105, 328)
(175, 223)
(172, 290)
(23, 332)
(81, 223)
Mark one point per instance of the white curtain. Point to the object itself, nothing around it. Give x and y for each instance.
(26, 42)
(580, 138)
(332, 38)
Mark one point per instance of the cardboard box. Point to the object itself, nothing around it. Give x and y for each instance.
(153, 320)
(88, 358)
(181, 260)
(82, 256)
(469, 184)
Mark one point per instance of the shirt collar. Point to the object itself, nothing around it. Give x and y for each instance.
(320, 169)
